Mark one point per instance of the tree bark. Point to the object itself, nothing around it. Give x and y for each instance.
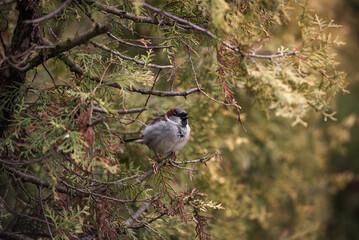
(11, 74)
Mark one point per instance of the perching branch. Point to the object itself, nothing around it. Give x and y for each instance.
(203, 159)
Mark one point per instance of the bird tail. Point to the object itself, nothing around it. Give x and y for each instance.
(136, 140)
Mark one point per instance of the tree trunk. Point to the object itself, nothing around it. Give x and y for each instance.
(11, 74)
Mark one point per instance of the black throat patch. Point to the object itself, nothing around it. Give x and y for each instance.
(184, 122)
(181, 131)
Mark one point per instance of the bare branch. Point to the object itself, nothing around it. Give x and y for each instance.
(188, 23)
(164, 93)
(178, 19)
(67, 45)
(124, 111)
(50, 15)
(124, 14)
(203, 159)
(133, 17)
(129, 58)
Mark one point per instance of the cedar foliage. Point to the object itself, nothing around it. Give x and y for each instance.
(90, 74)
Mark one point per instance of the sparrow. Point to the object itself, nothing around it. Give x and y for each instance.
(167, 133)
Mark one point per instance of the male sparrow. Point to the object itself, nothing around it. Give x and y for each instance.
(166, 133)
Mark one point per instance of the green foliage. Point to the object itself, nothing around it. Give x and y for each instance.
(269, 184)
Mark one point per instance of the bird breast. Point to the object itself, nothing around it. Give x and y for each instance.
(165, 136)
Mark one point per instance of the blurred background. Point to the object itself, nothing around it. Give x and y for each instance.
(344, 218)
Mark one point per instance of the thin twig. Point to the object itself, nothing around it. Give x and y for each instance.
(50, 15)
(136, 45)
(129, 58)
(122, 111)
(276, 63)
(257, 65)
(149, 96)
(196, 80)
(52, 78)
(173, 163)
(271, 56)
(203, 159)
(153, 230)
(132, 218)
(164, 93)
